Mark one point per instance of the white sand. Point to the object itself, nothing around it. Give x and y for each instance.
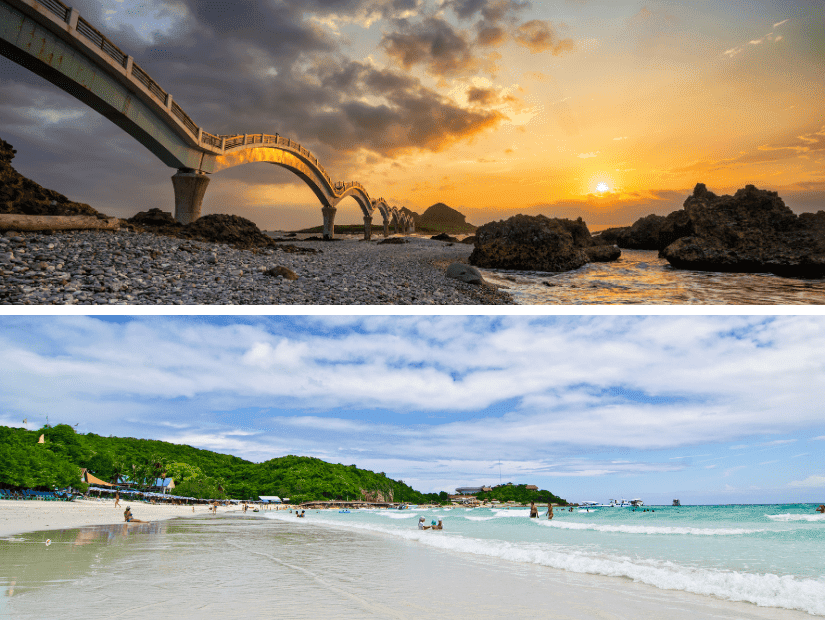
(21, 516)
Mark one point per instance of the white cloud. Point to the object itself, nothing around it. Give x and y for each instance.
(809, 482)
(588, 155)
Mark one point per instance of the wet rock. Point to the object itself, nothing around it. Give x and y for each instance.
(465, 273)
(751, 231)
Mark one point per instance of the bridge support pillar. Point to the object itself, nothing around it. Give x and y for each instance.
(329, 222)
(386, 228)
(190, 187)
(367, 227)
(395, 227)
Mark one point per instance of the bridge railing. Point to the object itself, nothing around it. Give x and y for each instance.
(58, 8)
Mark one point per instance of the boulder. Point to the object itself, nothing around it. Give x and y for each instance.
(529, 243)
(465, 273)
(284, 272)
(469, 240)
(751, 231)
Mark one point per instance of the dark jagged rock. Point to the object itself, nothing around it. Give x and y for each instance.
(751, 231)
(155, 219)
(602, 253)
(444, 237)
(676, 225)
(19, 195)
(643, 235)
(609, 236)
(526, 242)
(469, 240)
(393, 241)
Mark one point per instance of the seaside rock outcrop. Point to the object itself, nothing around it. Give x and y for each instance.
(465, 273)
(526, 242)
(751, 231)
(643, 234)
(19, 195)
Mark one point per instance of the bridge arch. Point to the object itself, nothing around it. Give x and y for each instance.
(52, 40)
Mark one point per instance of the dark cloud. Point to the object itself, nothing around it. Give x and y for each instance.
(434, 44)
(538, 36)
(237, 67)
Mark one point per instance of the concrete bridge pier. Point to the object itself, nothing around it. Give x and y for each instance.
(386, 228)
(367, 227)
(190, 187)
(329, 221)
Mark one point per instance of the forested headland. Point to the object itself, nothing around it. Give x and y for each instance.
(198, 473)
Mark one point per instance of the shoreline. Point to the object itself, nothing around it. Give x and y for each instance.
(28, 516)
(125, 267)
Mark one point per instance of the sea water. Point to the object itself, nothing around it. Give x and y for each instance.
(771, 555)
(687, 563)
(642, 277)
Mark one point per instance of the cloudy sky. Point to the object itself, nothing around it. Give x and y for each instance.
(704, 409)
(492, 106)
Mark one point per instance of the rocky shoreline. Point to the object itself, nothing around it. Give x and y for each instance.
(129, 267)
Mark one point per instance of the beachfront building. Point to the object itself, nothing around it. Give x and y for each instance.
(162, 485)
(270, 499)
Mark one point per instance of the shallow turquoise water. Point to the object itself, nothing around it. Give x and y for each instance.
(769, 554)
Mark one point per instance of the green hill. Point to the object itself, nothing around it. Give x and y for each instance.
(198, 473)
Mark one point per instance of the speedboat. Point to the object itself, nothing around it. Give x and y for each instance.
(637, 503)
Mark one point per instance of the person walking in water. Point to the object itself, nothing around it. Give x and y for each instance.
(549, 511)
(534, 511)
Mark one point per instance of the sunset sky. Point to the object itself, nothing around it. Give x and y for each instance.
(706, 409)
(494, 107)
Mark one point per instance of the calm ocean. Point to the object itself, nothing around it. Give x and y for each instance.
(641, 277)
(688, 563)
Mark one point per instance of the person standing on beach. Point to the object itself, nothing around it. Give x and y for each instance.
(534, 512)
(549, 511)
(117, 498)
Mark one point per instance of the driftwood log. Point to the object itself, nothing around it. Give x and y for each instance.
(34, 223)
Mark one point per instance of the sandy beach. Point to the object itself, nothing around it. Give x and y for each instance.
(17, 517)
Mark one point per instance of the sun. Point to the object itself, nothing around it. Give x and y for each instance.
(602, 187)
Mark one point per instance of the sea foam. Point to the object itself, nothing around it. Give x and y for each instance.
(649, 529)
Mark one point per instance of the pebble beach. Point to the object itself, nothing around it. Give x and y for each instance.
(125, 267)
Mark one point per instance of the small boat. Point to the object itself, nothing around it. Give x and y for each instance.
(637, 503)
(676, 502)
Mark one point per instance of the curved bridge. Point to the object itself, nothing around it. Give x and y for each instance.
(55, 42)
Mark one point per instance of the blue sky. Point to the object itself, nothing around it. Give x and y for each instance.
(704, 409)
